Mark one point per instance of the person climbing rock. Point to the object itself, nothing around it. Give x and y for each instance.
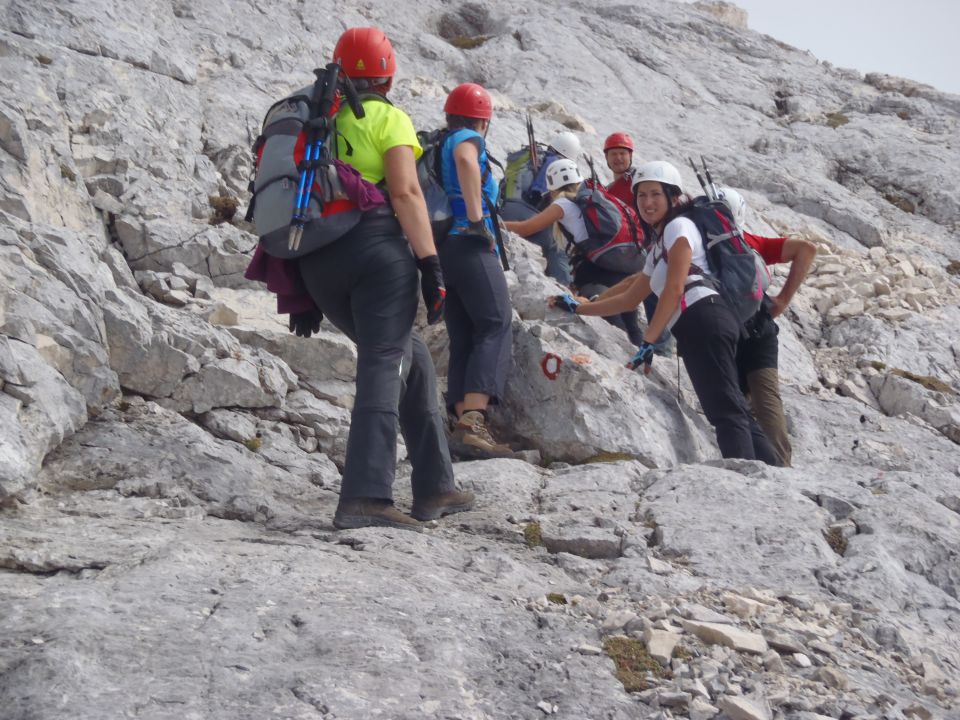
(365, 283)
(564, 182)
(705, 328)
(758, 349)
(477, 313)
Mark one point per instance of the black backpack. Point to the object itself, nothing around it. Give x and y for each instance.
(430, 174)
(739, 273)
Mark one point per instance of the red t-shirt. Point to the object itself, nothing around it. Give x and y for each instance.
(770, 249)
(622, 190)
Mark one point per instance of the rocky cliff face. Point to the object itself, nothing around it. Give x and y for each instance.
(168, 458)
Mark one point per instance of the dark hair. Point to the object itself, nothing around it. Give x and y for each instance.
(455, 122)
(671, 192)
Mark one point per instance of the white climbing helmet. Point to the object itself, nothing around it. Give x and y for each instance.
(658, 171)
(561, 173)
(567, 144)
(736, 203)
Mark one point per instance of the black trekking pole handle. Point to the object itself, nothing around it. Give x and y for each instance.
(353, 97)
(699, 176)
(713, 185)
(323, 104)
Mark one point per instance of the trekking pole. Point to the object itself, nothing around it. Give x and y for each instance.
(699, 176)
(706, 170)
(322, 99)
(532, 142)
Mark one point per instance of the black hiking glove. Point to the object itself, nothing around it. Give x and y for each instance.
(480, 229)
(432, 287)
(305, 323)
(644, 356)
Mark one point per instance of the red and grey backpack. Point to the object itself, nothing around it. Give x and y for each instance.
(303, 196)
(614, 234)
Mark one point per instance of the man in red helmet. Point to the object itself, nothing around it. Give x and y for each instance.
(618, 152)
(478, 312)
(366, 284)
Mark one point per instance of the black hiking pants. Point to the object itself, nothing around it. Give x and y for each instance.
(478, 317)
(707, 335)
(366, 283)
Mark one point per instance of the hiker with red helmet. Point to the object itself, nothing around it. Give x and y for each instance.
(477, 311)
(365, 283)
(618, 152)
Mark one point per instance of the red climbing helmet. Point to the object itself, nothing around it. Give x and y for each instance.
(618, 140)
(365, 53)
(469, 100)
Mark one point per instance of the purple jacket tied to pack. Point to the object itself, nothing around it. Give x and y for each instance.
(282, 276)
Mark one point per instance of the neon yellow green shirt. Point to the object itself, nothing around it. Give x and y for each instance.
(382, 127)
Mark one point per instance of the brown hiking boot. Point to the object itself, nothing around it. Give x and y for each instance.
(371, 512)
(472, 439)
(436, 506)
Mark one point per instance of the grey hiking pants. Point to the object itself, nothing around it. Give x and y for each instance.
(366, 283)
(478, 317)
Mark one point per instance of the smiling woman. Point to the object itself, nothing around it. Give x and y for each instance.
(705, 327)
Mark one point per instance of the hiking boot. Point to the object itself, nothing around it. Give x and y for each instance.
(371, 512)
(471, 439)
(436, 506)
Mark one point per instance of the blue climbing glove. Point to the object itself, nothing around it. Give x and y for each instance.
(644, 356)
(566, 302)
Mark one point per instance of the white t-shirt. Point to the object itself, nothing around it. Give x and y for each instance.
(572, 219)
(656, 265)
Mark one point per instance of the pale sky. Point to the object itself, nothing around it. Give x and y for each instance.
(917, 39)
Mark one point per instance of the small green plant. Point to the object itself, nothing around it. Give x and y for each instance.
(632, 661)
(836, 540)
(927, 381)
(253, 444)
(557, 598)
(836, 119)
(681, 653)
(468, 42)
(532, 535)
